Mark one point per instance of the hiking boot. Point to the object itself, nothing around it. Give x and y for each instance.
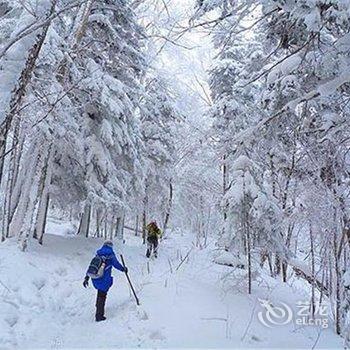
(102, 318)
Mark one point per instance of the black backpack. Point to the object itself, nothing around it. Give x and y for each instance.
(97, 267)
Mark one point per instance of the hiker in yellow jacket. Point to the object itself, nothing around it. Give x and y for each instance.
(153, 235)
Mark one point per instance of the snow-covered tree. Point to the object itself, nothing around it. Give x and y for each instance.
(160, 121)
(84, 116)
(298, 131)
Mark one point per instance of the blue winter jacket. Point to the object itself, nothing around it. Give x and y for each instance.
(105, 282)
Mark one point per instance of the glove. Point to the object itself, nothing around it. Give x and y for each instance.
(86, 282)
(126, 269)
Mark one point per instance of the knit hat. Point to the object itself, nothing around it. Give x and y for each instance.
(109, 243)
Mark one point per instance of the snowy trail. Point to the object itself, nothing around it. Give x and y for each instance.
(47, 307)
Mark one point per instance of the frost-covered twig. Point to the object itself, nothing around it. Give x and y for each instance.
(183, 260)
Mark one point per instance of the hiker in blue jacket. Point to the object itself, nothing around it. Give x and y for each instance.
(105, 282)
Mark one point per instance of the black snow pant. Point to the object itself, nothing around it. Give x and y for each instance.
(100, 305)
(152, 245)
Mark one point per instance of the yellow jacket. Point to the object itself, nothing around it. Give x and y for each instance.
(153, 230)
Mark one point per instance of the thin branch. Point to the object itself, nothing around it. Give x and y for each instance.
(280, 61)
(208, 99)
(159, 36)
(183, 260)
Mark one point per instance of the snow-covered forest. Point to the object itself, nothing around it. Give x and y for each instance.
(226, 121)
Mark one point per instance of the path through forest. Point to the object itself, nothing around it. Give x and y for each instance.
(187, 305)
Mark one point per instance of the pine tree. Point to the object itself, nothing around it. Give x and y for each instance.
(159, 123)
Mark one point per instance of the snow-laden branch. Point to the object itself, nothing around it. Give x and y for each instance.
(31, 28)
(307, 42)
(323, 90)
(301, 270)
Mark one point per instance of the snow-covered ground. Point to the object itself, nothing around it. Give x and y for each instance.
(44, 305)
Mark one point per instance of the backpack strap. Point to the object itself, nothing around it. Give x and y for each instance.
(106, 257)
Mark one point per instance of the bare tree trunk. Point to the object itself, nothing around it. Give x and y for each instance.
(207, 229)
(323, 282)
(2, 154)
(248, 249)
(249, 257)
(284, 206)
(225, 181)
(269, 259)
(106, 225)
(168, 210)
(247, 236)
(288, 241)
(122, 228)
(42, 224)
(84, 226)
(144, 218)
(117, 227)
(201, 220)
(119, 230)
(88, 223)
(19, 176)
(98, 232)
(337, 284)
(144, 224)
(312, 253)
(111, 232)
(17, 155)
(43, 195)
(137, 226)
(277, 269)
(12, 172)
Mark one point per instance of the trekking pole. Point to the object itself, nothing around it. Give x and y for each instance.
(131, 286)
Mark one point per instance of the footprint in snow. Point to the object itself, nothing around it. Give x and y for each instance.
(10, 314)
(39, 283)
(255, 338)
(11, 320)
(61, 271)
(142, 315)
(157, 335)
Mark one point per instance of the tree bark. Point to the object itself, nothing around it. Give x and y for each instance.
(42, 227)
(248, 244)
(144, 218)
(137, 226)
(312, 253)
(44, 194)
(225, 182)
(84, 226)
(119, 230)
(168, 210)
(337, 284)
